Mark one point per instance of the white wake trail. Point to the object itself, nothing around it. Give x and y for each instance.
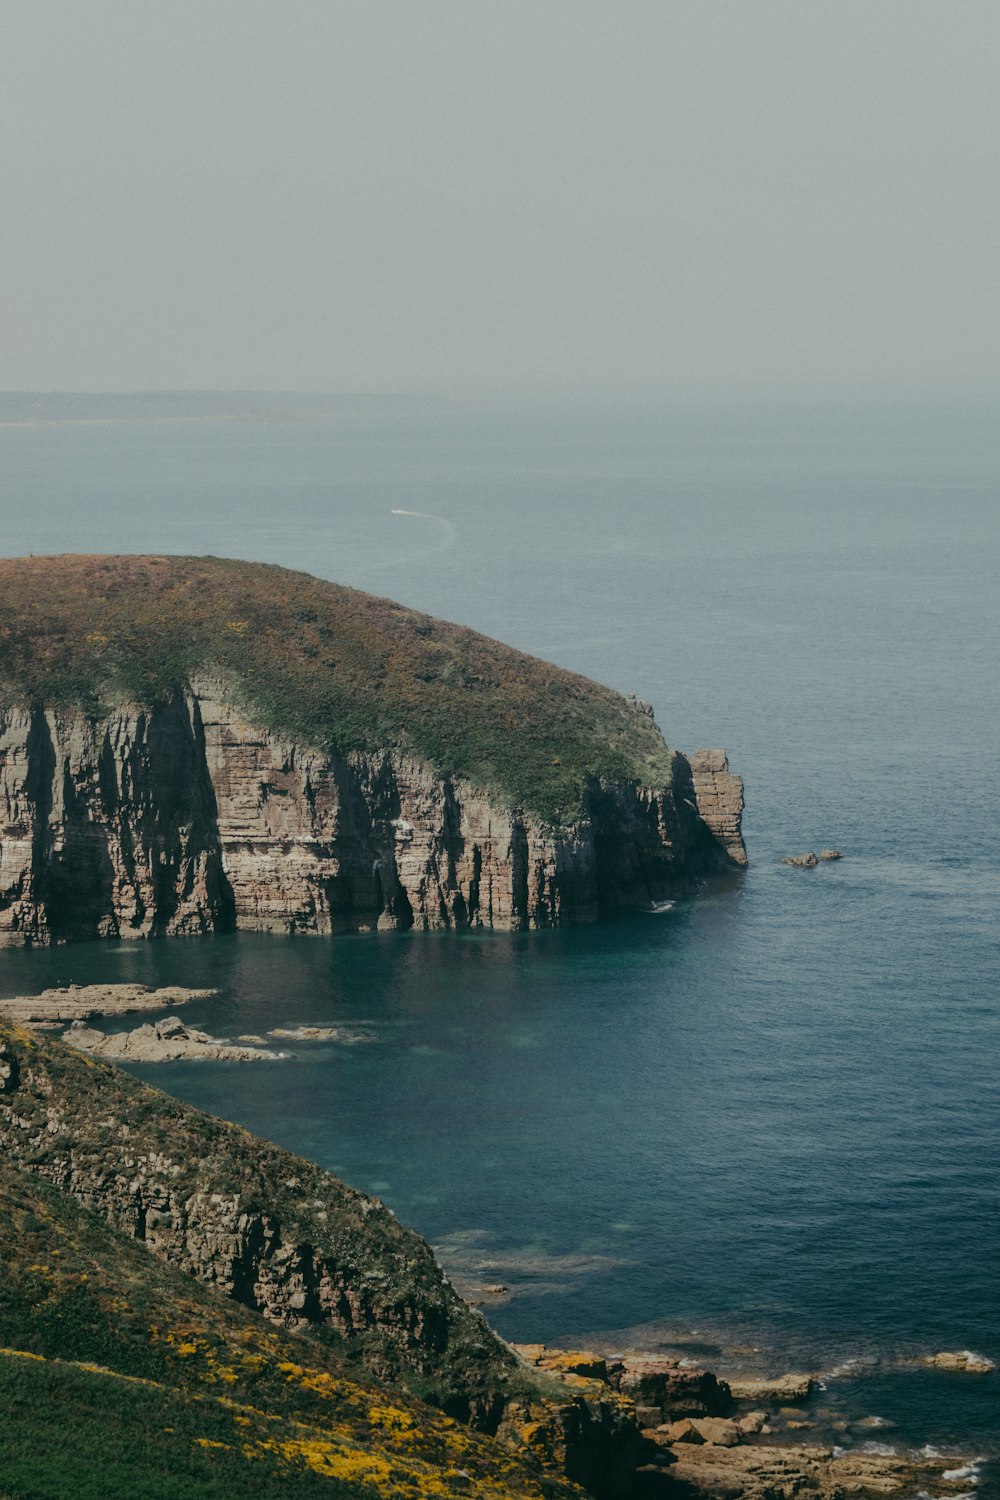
(448, 532)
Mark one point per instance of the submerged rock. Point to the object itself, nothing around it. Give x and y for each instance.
(319, 1034)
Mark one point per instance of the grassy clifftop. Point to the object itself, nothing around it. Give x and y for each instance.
(330, 666)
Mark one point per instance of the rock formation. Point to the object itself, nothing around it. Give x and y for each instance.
(185, 818)
(168, 1040)
(291, 1243)
(963, 1360)
(194, 744)
(698, 1441)
(260, 1225)
(123, 1377)
(77, 1002)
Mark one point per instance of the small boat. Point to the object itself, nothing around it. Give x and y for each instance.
(656, 907)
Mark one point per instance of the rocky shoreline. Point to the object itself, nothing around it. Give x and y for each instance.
(743, 1438)
(303, 1252)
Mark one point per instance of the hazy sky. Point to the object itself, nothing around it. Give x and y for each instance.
(714, 196)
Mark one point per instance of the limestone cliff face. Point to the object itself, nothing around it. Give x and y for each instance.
(185, 818)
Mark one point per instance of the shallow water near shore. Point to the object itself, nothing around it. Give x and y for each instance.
(762, 1128)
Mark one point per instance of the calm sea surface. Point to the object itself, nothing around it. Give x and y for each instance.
(764, 1127)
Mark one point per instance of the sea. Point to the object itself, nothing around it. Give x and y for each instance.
(760, 1129)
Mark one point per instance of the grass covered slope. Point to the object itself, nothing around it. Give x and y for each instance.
(327, 665)
(264, 1226)
(120, 1376)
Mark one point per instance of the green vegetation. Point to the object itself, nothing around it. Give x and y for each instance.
(122, 1377)
(327, 665)
(73, 1108)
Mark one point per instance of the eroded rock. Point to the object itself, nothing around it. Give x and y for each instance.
(718, 1430)
(168, 1040)
(675, 1390)
(772, 1472)
(185, 818)
(964, 1360)
(779, 1389)
(80, 1001)
(8, 1069)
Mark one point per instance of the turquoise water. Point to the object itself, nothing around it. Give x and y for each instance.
(765, 1126)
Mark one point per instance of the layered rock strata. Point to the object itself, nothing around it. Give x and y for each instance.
(185, 818)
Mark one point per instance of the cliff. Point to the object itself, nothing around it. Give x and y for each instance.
(260, 1225)
(123, 1379)
(188, 745)
(133, 1225)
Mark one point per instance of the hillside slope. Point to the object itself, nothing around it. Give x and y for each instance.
(120, 1376)
(193, 744)
(257, 1223)
(274, 1313)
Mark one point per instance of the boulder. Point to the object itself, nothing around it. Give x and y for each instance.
(830, 854)
(574, 1362)
(804, 861)
(752, 1423)
(683, 1431)
(8, 1070)
(717, 1430)
(676, 1390)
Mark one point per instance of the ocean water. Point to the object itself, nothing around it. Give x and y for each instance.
(762, 1128)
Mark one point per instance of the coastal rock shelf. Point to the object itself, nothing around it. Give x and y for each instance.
(470, 787)
(78, 1002)
(162, 1041)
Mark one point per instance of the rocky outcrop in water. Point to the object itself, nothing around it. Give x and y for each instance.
(185, 818)
(168, 1040)
(77, 1002)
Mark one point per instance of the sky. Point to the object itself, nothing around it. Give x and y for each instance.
(705, 198)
